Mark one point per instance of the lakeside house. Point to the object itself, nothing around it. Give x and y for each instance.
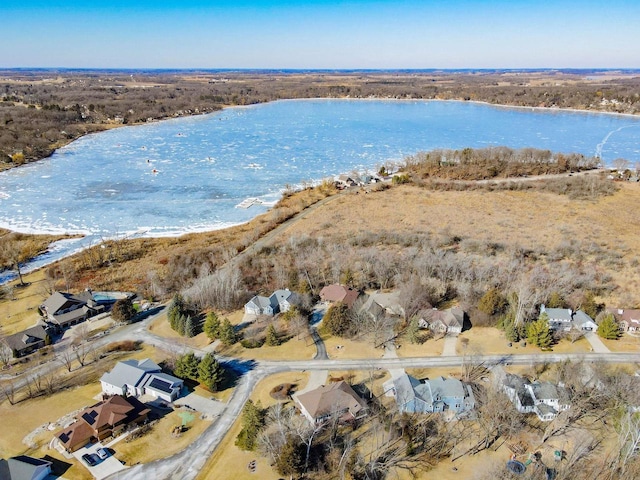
(66, 309)
(325, 401)
(339, 293)
(28, 341)
(108, 418)
(449, 321)
(279, 301)
(566, 319)
(141, 377)
(431, 395)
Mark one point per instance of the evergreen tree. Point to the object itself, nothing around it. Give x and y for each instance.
(187, 366)
(210, 372)
(538, 332)
(190, 327)
(253, 416)
(413, 331)
(337, 320)
(212, 326)
(176, 308)
(227, 333)
(609, 328)
(492, 302)
(272, 339)
(290, 462)
(556, 301)
(181, 324)
(590, 306)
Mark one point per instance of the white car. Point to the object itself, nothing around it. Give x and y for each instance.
(102, 453)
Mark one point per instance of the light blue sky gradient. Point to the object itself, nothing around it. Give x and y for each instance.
(320, 34)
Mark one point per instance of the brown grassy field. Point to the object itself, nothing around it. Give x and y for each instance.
(532, 220)
(21, 312)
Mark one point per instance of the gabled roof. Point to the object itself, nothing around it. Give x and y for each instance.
(129, 372)
(21, 340)
(24, 467)
(260, 302)
(581, 317)
(281, 296)
(335, 397)
(628, 315)
(339, 293)
(59, 301)
(557, 314)
(451, 317)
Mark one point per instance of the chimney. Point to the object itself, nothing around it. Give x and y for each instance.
(620, 311)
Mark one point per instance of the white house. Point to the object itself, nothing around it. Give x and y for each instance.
(565, 319)
(449, 321)
(24, 467)
(140, 377)
(544, 399)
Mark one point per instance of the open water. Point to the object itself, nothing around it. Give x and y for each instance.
(188, 174)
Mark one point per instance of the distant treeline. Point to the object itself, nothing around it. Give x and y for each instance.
(494, 162)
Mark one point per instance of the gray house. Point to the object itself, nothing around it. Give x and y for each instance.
(27, 341)
(566, 319)
(24, 467)
(437, 395)
(66, 309)
(279, 301)
(139, 377)
(449, 321)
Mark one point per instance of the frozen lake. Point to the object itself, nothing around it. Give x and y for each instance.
(188, 174)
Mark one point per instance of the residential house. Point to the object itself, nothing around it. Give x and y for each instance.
(27, 341)
(140, 377)
(24, 467)
(105, 419)
(436, 395)
(279, 301)
(334, 399)
(449, 321)
(66, 309)
(566, 319)
(339, 293)
(544, 399)
(345, 181)
(628, 319)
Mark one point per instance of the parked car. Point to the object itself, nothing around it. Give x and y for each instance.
(102, 453)
(91, 459)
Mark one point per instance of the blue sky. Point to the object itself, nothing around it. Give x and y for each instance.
(320, 34)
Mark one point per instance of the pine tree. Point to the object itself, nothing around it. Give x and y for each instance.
(181, 324)
(187, 366)
(212, 326)
(190, 327)
(609, 328)
(253, 416)
(492, 302)
(538, 332)
(227, 333)
(272, 339)
(210, 372)
(413, 331)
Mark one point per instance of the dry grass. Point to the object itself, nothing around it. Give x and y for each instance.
(530, 219)
(160, 326)
(159, 442)
(22, 312)
(626, 343)
(349, 349)
(491, 341)
(431, 348)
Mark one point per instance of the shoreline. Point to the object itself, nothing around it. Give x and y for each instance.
(107, 127)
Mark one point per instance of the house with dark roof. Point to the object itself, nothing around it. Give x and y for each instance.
(66, 309)
(339, 293)
(449, 321)
(431, 395)
(24, 467)
(108, 418)
(325, 401)
(140, 377)
(27, 341)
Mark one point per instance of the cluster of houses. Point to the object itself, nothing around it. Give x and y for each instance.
(356, 180)
(121, 407)
(565, 319)
(59, 311)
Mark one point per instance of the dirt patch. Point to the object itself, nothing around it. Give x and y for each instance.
(283, 391)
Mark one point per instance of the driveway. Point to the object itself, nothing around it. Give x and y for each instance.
(108, 466)
(596, 343)
(206, 406)
(449, 349)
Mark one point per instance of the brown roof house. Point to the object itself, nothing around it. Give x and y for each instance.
(105, 419)
(339, 293)
(65, 309)
(27, 341)
(448, 321)
(628, 319)
(333, 399)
